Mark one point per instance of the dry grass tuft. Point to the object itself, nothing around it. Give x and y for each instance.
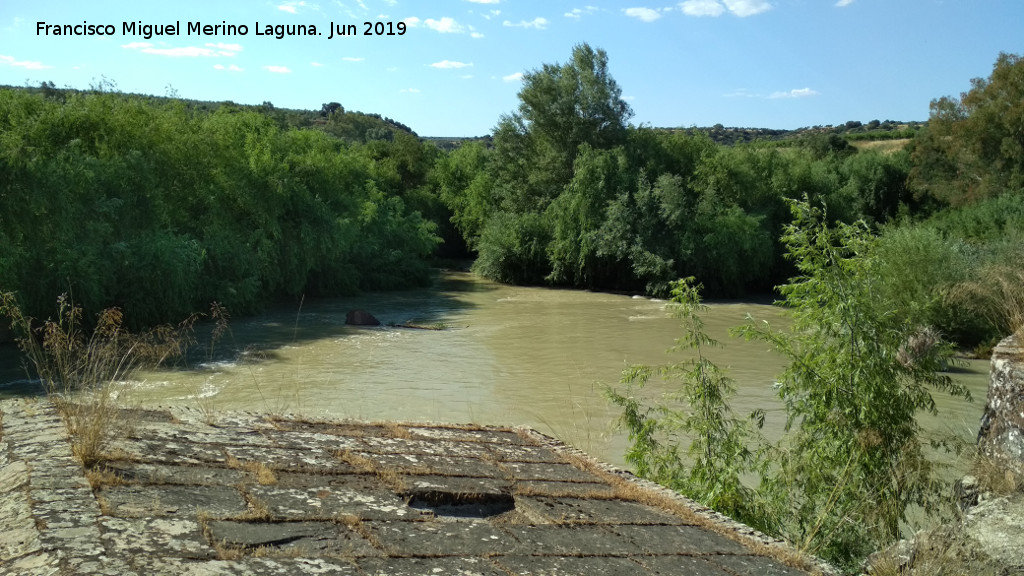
(258, 509)
(264, 474)
(102, 476)
(82, 373)
(994, 477)
(997, 295)
(397, 431)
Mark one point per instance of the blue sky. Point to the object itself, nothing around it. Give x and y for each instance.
(756, 63)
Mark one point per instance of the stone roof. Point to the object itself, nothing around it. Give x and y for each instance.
(186, 492)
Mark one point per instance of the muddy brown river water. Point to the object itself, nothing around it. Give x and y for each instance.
(507, 355)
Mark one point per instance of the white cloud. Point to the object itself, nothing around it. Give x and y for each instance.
(702, 8)
(226, 47)
(645, 14)
(231, 68)
(843, 3)
(445, 25)
(741, 8)
(412, 22)
(744, 8)
(316, 64)
(446, 64)
(352, 59)
(277, 69)
(210, 50)
(538, 23)
(492, 14)
(578, 13)
(411, 90)
(513, 77)
(466, 76)
(477, 35)
(293, 7)
(796, 93)
(27, 64)
(183, 52)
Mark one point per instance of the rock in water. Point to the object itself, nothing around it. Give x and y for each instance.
(361, 318)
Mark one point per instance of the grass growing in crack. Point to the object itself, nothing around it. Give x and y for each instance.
(258, 509)
(264, 474)
(83, 372)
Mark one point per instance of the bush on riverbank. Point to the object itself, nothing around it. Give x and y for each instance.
(158, 208)
(840, 482)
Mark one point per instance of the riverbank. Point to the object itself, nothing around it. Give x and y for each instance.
(237, 493)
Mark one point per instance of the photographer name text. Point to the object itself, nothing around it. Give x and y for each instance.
(278, 31)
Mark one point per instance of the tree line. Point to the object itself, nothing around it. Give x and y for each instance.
(160, 205)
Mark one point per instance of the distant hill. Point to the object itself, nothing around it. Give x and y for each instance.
(853, 131)
(331, 117)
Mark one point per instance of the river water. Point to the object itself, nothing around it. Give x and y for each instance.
(507, 355)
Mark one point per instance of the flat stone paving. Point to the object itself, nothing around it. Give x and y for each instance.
(251, 495)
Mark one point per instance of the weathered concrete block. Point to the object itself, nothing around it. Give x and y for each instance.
(1002, 427)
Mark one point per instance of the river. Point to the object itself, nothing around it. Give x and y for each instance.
(506, 355)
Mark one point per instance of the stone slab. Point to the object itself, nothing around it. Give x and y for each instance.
(370, 503)
(429, 567)
(291, 538)
(592, 511)
(753, 566)
(171, 500)
(181, 496)
(133, 472)
(438, 538)
(677, 565)
(154, 537)
(570, 566)
(570, 540)
(552, 471)
(690, 540)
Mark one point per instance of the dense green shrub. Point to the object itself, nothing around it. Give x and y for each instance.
(159, 208)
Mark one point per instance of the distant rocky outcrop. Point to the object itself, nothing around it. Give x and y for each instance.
(361, 318)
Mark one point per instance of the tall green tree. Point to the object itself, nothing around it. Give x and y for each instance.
(562, 106)
(973, 147)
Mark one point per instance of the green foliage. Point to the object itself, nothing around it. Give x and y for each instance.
(709, 470)
(859, 371)
(514, 248)
(625, 208)
(158, 208)
(861, 368)
(974, 145)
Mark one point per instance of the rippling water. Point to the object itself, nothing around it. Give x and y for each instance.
(508, 355)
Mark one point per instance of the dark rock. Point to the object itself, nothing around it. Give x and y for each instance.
(361, 318)
(966, 492)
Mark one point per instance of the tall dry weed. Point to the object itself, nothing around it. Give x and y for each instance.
(82, 370)
(997, 295)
